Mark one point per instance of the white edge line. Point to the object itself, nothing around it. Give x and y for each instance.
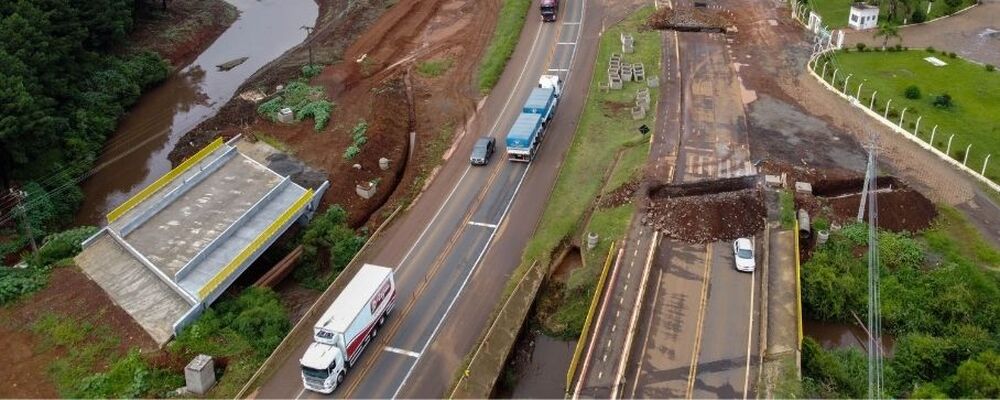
(600, 317)
(634, 320)
(483, 224)
(434, 218)
(403, 352)
(465, 281)
(746, 378)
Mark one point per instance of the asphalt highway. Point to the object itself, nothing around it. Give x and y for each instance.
(697, 324)
(455, 248)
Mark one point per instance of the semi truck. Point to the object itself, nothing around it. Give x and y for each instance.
(526, 135)
(549, 9)
(347, 327)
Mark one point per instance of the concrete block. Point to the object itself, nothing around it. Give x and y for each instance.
(286, 116)
(616, 56)
(772, 180)
(616, 83)
(614, 70)
(603, 86)
(803, 187)
(628, 48)
(199, 374)
(653, 81)
(365, 190)
(638, 113)
(627, 75)
(627, 38)
(615, 63)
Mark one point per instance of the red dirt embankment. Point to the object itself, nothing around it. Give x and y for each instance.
(182, 31)
(373, 80)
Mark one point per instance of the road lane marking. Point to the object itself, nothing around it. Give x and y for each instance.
(558, 69)
(565, 43)
(403, 352)
(483, 224)
(649, 326)
(434, 218)
(571, 23)
(635, 318)
(753, 284)
(465, 281)
(692, 372)
(299, 396)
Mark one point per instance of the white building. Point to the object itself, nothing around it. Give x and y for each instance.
(863, 16)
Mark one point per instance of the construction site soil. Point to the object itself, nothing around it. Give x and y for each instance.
(703, 218)
(69, 294)
(369, 50)
(698, 19)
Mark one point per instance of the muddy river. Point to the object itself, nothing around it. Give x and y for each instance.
(137, 152)
(837, 335)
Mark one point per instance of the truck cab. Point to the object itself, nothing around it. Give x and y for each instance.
(549, 9)
(323, 368)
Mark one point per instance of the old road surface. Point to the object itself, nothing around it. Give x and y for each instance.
(687, 320)
(455, 249)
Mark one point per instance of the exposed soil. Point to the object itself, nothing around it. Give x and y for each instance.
(898, 210)
(620, 196)
(690, 19)
(69, 293)
(708, 217)
(183, 30)
(369, 80)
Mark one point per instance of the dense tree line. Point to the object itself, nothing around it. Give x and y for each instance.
(941, 307)
(63, 87)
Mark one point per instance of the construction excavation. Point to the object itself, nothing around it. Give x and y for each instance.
(503, 199)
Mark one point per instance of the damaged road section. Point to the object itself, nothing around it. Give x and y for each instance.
(690, 19)
(707, 211)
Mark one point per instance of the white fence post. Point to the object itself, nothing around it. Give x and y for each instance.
(933, 131)
(901, 115)
(983, 172)
(947, 150)
(916, 131)
(845, 83)
(886, 115)
(966, 158)
(824, 69)
(859, 91)
(834, 80)
(871, 106)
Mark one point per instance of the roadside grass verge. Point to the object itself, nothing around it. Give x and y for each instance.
(435, 68)
(605, 127)
(953, 237)
(628, 167)
(786, 202)
(971, 117)
(508, 30)
(836, 12)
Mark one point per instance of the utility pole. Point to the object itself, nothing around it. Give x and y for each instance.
(309, 31)
(20, 196)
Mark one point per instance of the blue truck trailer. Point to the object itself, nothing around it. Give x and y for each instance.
(526, 135)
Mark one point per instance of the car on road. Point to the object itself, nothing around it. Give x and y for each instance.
(482, 151)
(743, 253)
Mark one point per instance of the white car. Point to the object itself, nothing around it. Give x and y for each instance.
(743, 252)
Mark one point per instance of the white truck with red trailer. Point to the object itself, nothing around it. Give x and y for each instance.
(346, 328)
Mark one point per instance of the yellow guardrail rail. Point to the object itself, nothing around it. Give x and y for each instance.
(798, 282)
(163, 181)
(590, 316)
(255, 244)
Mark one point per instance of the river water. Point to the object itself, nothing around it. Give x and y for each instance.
(136, 154)
(838, 335)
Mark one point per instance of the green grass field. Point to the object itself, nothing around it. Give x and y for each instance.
(974, 90)
(836, 12)
(504, 40)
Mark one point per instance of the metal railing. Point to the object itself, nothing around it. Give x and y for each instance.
(581, 343)
(163, 181)
(255, 244)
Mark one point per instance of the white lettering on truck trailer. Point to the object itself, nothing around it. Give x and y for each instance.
(346, 328)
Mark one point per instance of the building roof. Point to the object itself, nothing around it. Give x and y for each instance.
(864, 6)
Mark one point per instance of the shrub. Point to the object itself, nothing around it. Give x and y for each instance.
(918, 16)
(912, 92)
(860, 46)
(952, 55)
(311, 70)
(898, 47)
(351, 151)
(328, 234)
(943, 101)
(990, 67)
(61, 245)
(930, 49)
(952, 5)
(17, 282)
(304, 100)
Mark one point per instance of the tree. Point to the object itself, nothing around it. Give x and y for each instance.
(979, 377)
(887, 30)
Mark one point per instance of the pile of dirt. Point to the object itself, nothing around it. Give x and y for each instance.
(620, 196)
(708, 218)
(898, 210)
(689, 19)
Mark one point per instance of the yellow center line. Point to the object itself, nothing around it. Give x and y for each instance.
(701, 319)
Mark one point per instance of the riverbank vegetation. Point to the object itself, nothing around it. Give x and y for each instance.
(68, 72)
(939, 290)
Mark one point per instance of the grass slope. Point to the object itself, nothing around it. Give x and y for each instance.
(504, 40)
(973, 118)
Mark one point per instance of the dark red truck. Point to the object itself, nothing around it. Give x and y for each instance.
(549, 8)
